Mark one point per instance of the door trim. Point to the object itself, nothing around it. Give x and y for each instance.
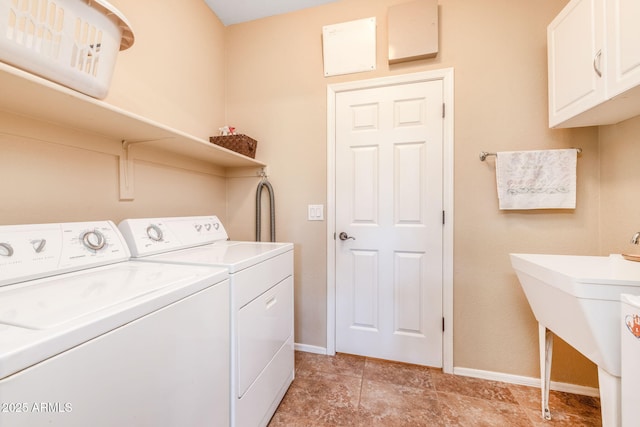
(446, 75)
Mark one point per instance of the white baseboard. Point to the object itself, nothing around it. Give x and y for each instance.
(528, 381)
(489, 375)
(310, 348)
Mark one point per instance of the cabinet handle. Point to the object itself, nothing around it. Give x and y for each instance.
(596, 63)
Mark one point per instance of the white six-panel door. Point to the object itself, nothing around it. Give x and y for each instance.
(389, 202)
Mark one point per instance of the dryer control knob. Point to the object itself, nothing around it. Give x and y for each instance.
(38, 245)
(155, 233)
(93, 240)
(6, 249)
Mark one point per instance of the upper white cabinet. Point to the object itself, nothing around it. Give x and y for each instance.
(623, 60)
(594, 63)
(575, 40)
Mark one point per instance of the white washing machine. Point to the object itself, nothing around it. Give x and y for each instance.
(630, 359)
(261, 280)
(89, 338)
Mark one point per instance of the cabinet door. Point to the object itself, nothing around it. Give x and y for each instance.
(576, 59)
(623, 43)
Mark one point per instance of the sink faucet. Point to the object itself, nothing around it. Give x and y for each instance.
(636, 238)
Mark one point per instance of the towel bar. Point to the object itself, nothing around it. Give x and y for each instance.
(484, 154)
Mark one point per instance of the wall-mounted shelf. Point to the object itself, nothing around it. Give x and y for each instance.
(31, 96)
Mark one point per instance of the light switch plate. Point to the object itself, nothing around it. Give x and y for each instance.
(316, 213)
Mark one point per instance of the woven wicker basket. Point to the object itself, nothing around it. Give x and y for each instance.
(239, 143)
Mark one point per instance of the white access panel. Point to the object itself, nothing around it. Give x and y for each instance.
(413, 30)
(349, 47)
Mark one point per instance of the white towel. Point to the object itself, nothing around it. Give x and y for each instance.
(539, 179)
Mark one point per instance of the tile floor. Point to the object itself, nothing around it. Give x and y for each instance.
(348, 390)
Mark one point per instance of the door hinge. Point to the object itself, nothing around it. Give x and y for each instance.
(443, 110)
(443, 218)
(443, 324)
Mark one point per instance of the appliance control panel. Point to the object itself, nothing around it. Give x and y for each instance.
(40, 250)
(150, 236)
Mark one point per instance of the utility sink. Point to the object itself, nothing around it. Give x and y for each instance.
(578, 299)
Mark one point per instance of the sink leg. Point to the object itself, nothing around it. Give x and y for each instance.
(609, 398)
(545, 340)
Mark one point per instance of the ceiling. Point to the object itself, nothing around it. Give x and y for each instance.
(236, 11)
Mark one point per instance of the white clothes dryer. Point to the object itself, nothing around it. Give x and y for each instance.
(90, 338)
(261, 280)
(630, 359)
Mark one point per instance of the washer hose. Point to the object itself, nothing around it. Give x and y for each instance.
(272, 205)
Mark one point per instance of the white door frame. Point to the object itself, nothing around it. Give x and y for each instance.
(446, 75)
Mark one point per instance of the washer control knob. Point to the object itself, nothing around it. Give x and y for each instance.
(198, 227)
(38, 245)
(6, 249)
(155, 233)
(93, 240)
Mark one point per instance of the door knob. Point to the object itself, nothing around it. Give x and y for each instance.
(345, 236)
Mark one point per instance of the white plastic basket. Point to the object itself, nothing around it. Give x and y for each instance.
(71, 42)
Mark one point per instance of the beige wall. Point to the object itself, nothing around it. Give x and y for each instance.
(277, 93)
(620, 175)
(175, 71)
(174, 74)
(265, 77)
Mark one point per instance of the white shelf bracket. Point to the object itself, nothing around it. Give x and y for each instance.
(126, 171)
(127, 188)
